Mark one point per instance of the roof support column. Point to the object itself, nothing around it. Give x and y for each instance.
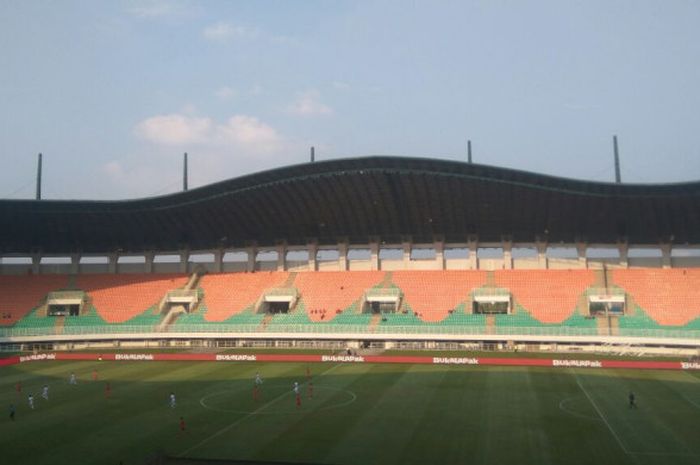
(666, 255)
(440, 255)
(252, 252)
(343, 256)
(75, 263)
(473, 245)
(374, 255)
(113, 261)
(218, 260)
(406, 254)
(148, 261)
(36, 263)
(508, 254)
(281, 257)
(184, 258)
(541, 255)
(623, 249)
(581, 248)
(313, 250)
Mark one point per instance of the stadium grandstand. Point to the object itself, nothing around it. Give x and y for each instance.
(380, 249)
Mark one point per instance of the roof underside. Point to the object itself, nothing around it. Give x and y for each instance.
(377, 198)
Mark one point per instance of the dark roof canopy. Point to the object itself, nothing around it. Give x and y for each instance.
(389, 198)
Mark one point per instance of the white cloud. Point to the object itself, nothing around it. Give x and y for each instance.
(241, 132)
(340, 85)
(226, 93)
(309, 104)
(175, 129)
(223, 32)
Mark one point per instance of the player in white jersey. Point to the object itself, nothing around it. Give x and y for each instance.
(72, 380)
(258, 379)
(172, 400)
(30, 399)
(45, 392)
(296, 387)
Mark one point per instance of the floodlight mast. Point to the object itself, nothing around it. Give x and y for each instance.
(469, 151)
(38, 178)
(184, 173)
(618, 178)
(313, 154)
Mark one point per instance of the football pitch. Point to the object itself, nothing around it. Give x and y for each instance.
(355, 414)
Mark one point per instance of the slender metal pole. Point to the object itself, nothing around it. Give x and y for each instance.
(184, 173)
(313, 154)
(38, 179)
(618, 178)
(469, 151)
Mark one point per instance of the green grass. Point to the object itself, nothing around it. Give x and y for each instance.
(360, 414)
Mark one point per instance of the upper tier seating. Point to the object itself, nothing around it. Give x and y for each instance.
(118, 298)
(669, 296)
(432, 294)
(20, 294)
(550, 296)
(226, 294)
(326, 294)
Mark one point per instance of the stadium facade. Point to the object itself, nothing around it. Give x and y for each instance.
(324, 212)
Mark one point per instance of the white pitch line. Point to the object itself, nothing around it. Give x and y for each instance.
(245, 417)
(602, 417)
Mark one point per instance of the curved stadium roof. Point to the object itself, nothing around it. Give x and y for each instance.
(390, 198)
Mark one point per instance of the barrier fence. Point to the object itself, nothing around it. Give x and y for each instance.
(320, 328)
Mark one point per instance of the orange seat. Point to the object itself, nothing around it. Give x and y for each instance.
(669, 296)
(549, 295)
(432, 294)
(326, 292)
(118, 298)
(226, 294)
(21, 294)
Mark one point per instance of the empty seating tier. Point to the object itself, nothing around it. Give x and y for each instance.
(432, 294)
(118, 298)
(326, 294)
(669, 296)
(20, 294)
(550, 296)
(229, 293)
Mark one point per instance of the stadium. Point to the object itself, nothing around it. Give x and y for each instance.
(428, 311)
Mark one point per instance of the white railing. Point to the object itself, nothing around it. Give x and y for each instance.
(331, 328)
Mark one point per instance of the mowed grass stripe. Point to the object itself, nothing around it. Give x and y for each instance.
(659, 426)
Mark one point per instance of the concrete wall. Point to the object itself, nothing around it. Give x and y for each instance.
(12, 269)
(685, 262)
(526, 263)
(95, 268)
(457, 264)
(360, 265)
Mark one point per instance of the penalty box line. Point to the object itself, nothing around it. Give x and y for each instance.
(602, 417)
(245, 417)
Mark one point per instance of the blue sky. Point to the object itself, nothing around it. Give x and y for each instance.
(114, 92)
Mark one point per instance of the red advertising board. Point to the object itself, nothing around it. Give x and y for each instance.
(350, 359)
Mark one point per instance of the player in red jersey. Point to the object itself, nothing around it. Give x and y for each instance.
(94, 375)
(256, 393)
(310, 390)
(108, 390)
(182, 424)
(18, 387)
